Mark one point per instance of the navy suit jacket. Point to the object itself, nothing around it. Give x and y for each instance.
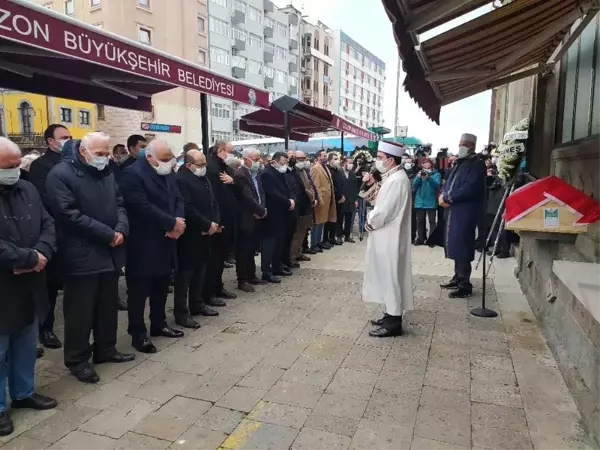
(152, 202)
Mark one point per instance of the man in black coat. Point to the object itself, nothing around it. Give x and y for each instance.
(279, 203)
(27, 242)
(156, 220)
(298, 193)
(350, 191)
(92, 226)
(304, 193)
(332, 229)
(135, 146)
(251, 213)
(220, 176)
(193, 248)
(55, 136)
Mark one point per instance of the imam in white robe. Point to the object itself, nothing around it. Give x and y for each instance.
(388, 273)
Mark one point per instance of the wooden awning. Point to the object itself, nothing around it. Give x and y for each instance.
(511, 42)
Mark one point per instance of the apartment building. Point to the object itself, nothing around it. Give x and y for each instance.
(257, 43)
(317, 66)
(359, 80)
(169, 27)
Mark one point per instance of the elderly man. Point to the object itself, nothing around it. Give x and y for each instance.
(325, 211)
(55, 136)
(463, 196)
(27, 242)
(193, 248)
(388, 277)
(280, 203)
(305, 201)
(92, 226)
(251, 212)
(156, 220)
(220, 176)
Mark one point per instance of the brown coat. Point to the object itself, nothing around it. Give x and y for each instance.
(307, 186)
(325, 210)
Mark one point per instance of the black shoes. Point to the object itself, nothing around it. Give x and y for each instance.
(187, 322)
(313, 251)
(293, 265)
(35, 401)
(49, 340)
(452, 284)
(203, 310)
(271, 279)
(379, 322)
(226, 295)
(40, 352)
(115, 357)
(6, 424)
(122, 304)
(246, 287)
(303, 258)
(258, 282)
(167, 331)
(325, 245)
(461, 292)
(216, 302)
(86, 374)
(284, 273)
(388, 326)
(144, 346)
(349, 240)
(419, 242)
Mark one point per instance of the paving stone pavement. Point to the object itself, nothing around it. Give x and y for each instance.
(292, 367)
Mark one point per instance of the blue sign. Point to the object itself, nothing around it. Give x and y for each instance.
(161, 127)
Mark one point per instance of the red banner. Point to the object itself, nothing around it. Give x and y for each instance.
(348, 127)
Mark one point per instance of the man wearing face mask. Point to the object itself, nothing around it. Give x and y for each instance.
(348, 208)
(325, 211)
(332, 230)
(92, 226)
(463, 197)
(305, 202)
(55, 136)
(425, 185)
(279, 203)
(220, 175)
(156, 220)
(193, 248)
(135, 146)
(411, 171)
(251, 214)
(388, 276)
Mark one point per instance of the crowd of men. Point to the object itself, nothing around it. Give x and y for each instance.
(82, 215)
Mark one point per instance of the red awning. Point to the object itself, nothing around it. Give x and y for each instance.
(303, 120)
(47, 53)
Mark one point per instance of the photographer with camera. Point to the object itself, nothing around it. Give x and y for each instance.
(426, 185)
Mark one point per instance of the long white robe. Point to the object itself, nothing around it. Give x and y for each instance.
(388, 272)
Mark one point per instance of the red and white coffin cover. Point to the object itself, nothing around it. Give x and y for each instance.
(533, 195)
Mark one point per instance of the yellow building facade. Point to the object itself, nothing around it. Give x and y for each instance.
(26, 115)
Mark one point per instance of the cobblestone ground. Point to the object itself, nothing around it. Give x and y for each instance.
(292, 366)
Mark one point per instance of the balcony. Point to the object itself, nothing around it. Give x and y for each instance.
(268, 57)
(269, 81)
(293, 67)
(269, 7)
(268, 31)
(293, 44)
(236, 125)
(237, 44)
(238, 72)
(293, 91)
(238, 17)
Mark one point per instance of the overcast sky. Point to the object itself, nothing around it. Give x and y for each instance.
(370, 27)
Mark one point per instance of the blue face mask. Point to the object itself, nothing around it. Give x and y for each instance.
(523, 165)
(142, 153)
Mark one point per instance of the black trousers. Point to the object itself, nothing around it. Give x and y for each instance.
(222, 245)
(462, 274)
(421, 215)
(91, 304)
(413, 224)
(345, 223)
(245, 247)
(189, 284)
(272, 251)
(48, 323)
(291, 223)
(139, 288)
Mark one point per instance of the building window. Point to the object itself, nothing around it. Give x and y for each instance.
(218, 26)
(218, 55)
(26, 117)
(69, 7)
(269, 48)
(66, 115)
(326, 70)
(255, 41)
(239, 5)
(238, 61)
(100, 112)
(255, 14)
(238, 34)
(201, 24)
(580, 89)
(85, 118)
(221, 111)
(326, 47)
(145, 35)
(293, 81)
(94, 3)
(281, 29)
(281, 53)
(269, 72)
(220, 136)
(202, 57)
(254, 67)
(316, 86)
(269, 22)
(144, 3)
(316, 64)
(281, 77)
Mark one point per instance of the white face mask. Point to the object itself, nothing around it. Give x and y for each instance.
(494, 160)
(164, 168)
(349, 166)
(200, 171)
(230, 159)
(381, 166)
(98, 162)
(282, 169)
(335, 163)
(408, 166)
(8, 177)
(463, 151)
